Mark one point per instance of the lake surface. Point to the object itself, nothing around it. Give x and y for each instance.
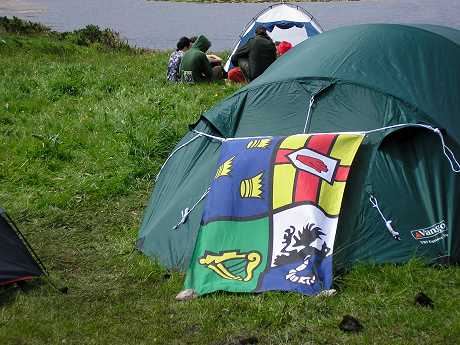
(159, 24)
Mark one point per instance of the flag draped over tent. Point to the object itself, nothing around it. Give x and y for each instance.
(269, 221)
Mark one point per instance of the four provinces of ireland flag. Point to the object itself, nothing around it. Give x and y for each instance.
(270, 218)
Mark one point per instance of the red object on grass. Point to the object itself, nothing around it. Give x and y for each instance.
(236, 75)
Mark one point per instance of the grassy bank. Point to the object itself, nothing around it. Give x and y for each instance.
(83, 130)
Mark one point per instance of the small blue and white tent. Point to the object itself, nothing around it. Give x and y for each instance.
(284, 22)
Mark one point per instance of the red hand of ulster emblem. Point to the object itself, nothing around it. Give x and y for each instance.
(314, 163)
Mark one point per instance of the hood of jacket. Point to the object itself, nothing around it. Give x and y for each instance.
(202, 43)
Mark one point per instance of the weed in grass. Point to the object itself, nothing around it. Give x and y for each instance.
(19, 26)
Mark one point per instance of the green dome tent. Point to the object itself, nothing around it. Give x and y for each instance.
(357, 78)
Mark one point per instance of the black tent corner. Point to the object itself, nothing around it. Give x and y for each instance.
(18, 261)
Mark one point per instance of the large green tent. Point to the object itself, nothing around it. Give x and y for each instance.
(357, 78)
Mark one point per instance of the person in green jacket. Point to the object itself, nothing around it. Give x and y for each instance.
(196, 67)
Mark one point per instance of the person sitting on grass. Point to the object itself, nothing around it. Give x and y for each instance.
(183, 45)
(236, 74)
(255, 56)
(196, 66)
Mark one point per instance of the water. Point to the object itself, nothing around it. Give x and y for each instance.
(158, 25)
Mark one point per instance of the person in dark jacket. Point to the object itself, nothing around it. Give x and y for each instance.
(196, 67)
(256, 55)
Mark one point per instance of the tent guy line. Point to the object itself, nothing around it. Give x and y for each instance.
(185, 212)
(312, 100)
(172, 154)
(446, 148)
(375, 204)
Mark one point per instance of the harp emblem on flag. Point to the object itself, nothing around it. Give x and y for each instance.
(232, 265)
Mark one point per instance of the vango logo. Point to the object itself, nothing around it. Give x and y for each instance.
(429, 233)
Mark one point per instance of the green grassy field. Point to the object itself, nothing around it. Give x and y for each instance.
(83, 131)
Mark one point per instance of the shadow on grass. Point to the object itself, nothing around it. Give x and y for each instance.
(9, 292)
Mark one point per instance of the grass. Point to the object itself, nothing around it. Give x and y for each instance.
(83, 131)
